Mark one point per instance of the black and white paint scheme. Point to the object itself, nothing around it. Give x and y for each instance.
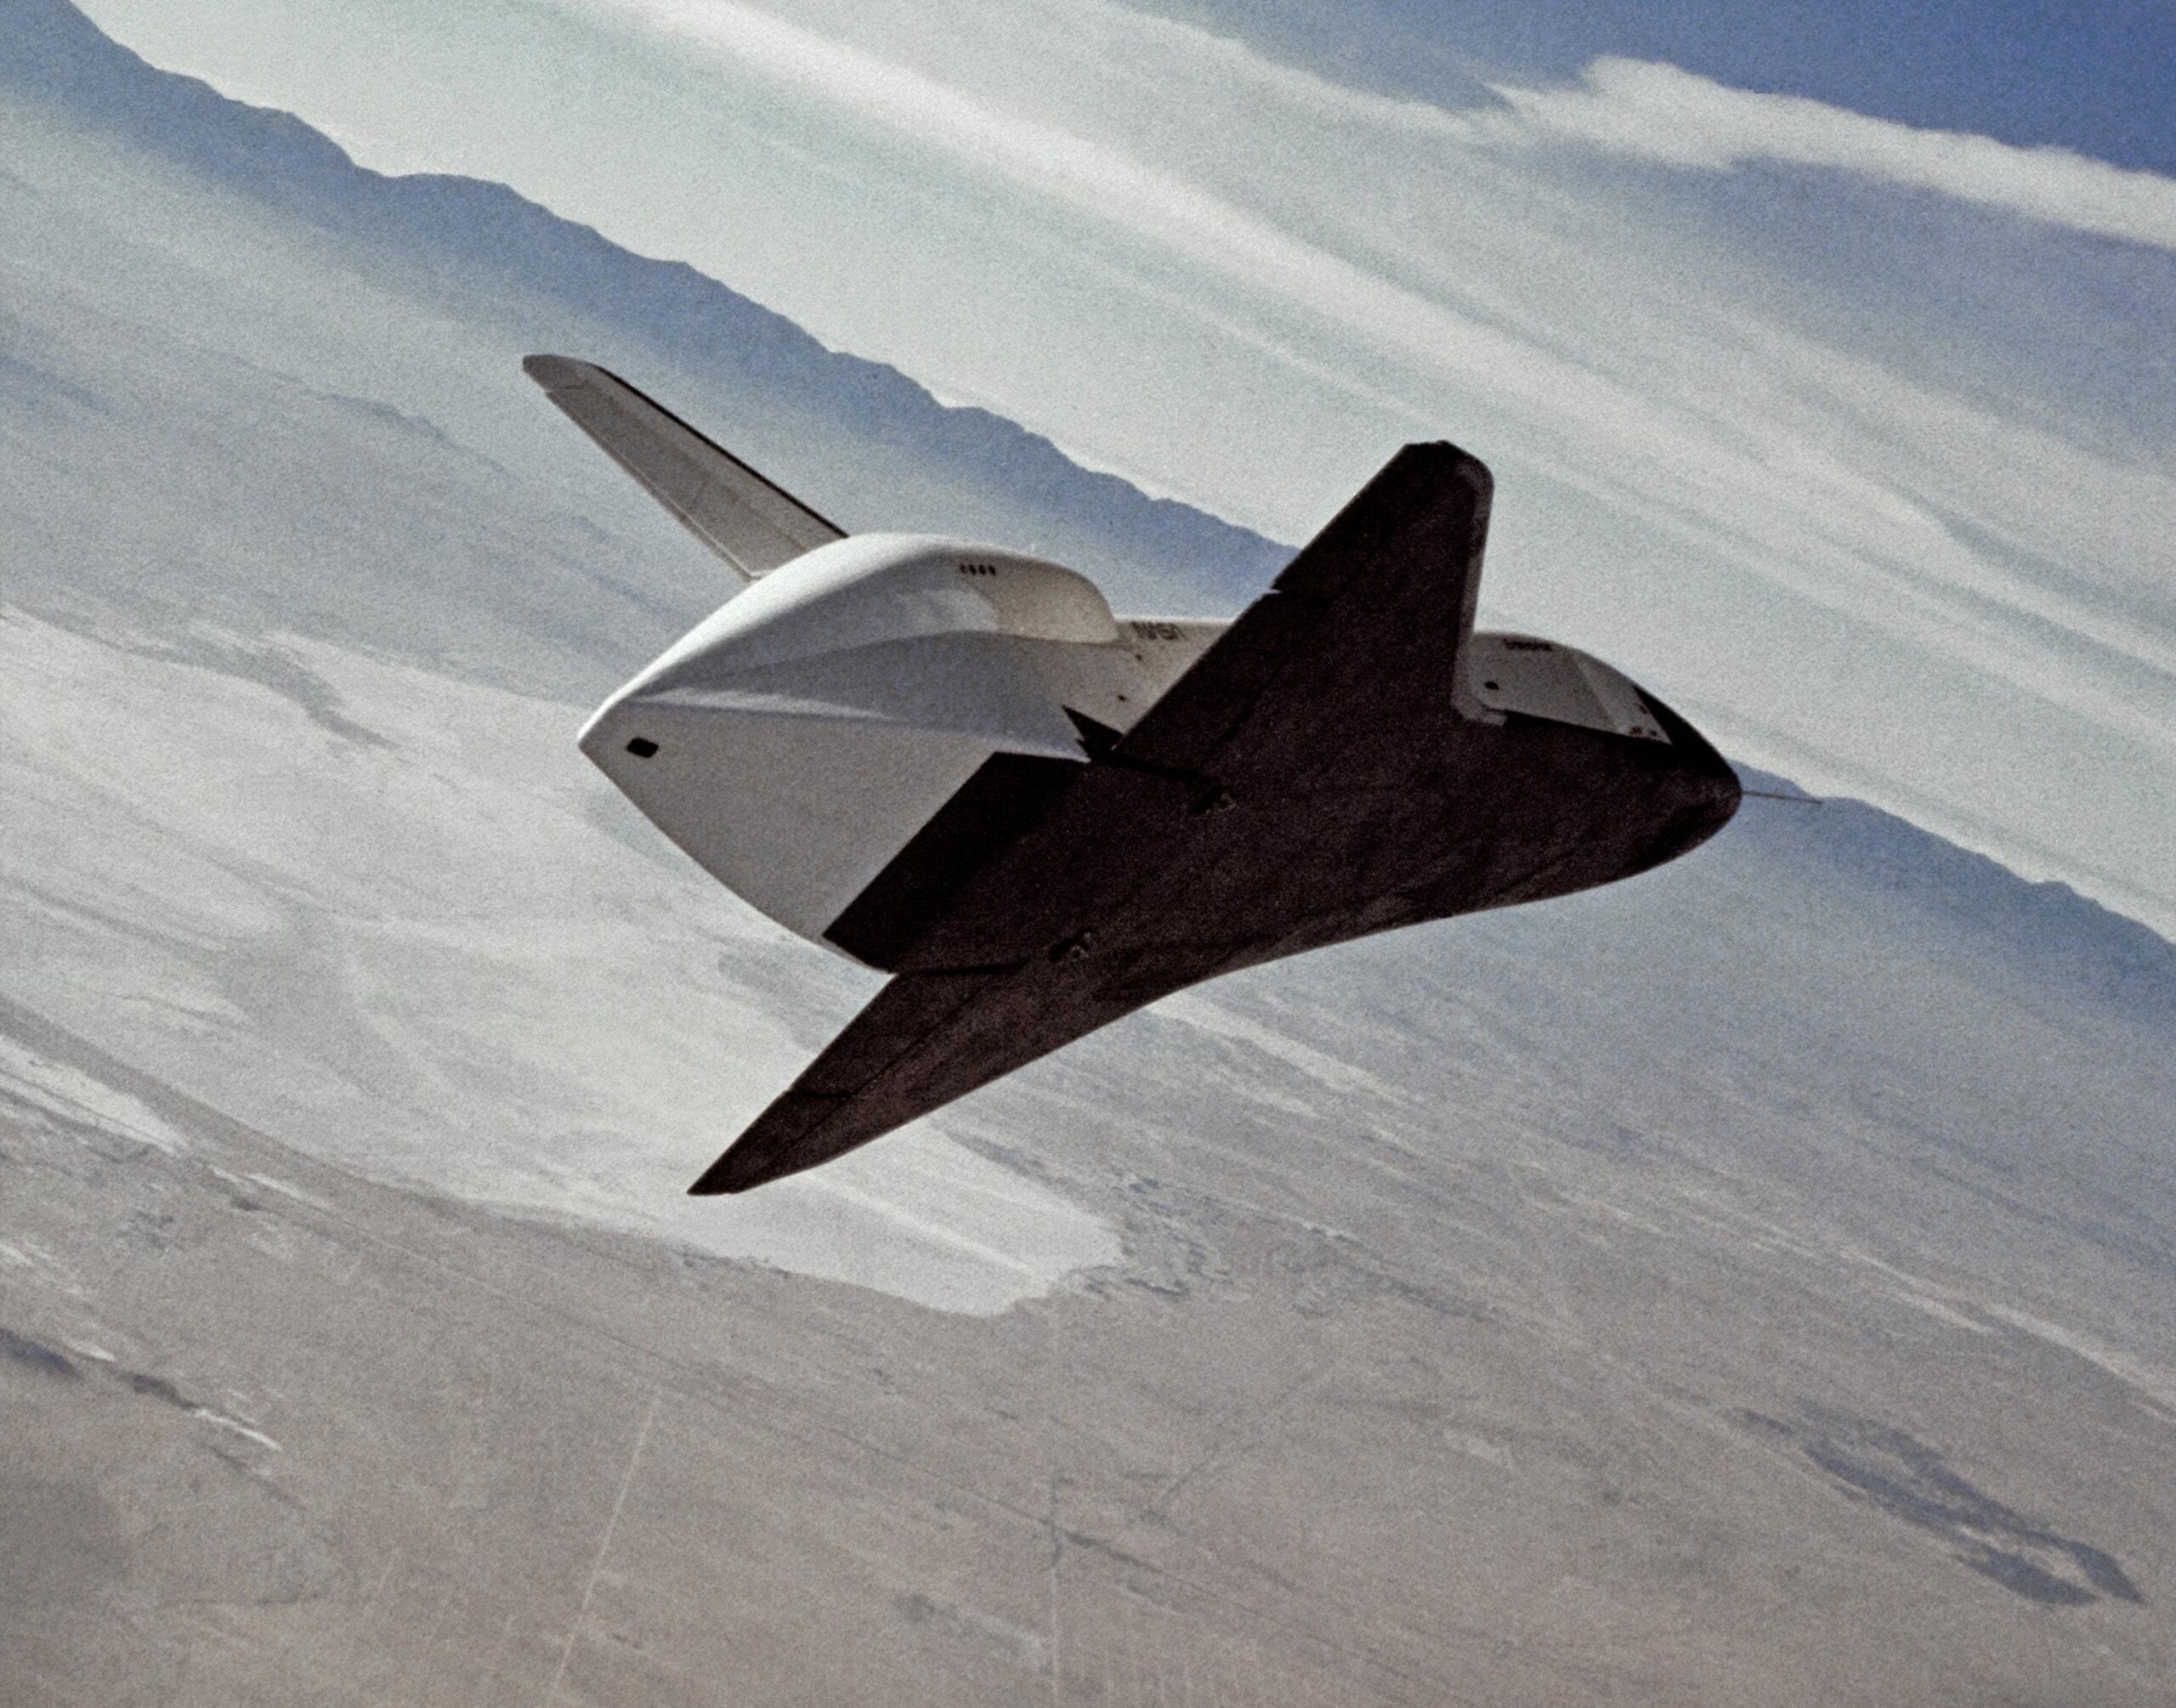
(954, 763)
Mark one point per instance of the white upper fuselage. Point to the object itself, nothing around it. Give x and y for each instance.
(807, 729)
(795, 741)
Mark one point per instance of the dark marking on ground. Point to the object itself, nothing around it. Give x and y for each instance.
(1891, 1472)
(61, 1544)
(157, 1387)
(40, 392)
(266, 666)
(971, 1624)
(19, 1349)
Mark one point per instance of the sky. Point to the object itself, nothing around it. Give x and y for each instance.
(1822, 354)
(2091, 78)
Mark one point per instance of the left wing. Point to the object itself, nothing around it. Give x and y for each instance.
(930, 1037)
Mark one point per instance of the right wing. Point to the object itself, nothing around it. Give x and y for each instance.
(1115, 883)
(753, 525)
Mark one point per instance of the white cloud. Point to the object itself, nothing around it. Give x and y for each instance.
(1661, 113)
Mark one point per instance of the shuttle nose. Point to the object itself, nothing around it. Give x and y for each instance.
(1705, 789)
(1696, 755)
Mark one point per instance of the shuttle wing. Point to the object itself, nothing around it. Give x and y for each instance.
(753, 525)
(1048, 898)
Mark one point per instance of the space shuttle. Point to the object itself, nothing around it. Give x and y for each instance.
(954, 763)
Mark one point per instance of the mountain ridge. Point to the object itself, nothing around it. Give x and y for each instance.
(50, 51)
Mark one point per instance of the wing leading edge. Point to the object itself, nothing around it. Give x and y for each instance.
(1231, 825)
(754, 525)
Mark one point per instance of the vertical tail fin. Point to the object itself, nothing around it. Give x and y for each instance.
(752, 524)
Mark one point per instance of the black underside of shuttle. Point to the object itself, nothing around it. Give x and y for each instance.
(1316, 776)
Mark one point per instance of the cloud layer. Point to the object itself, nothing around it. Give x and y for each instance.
(1661, 113)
